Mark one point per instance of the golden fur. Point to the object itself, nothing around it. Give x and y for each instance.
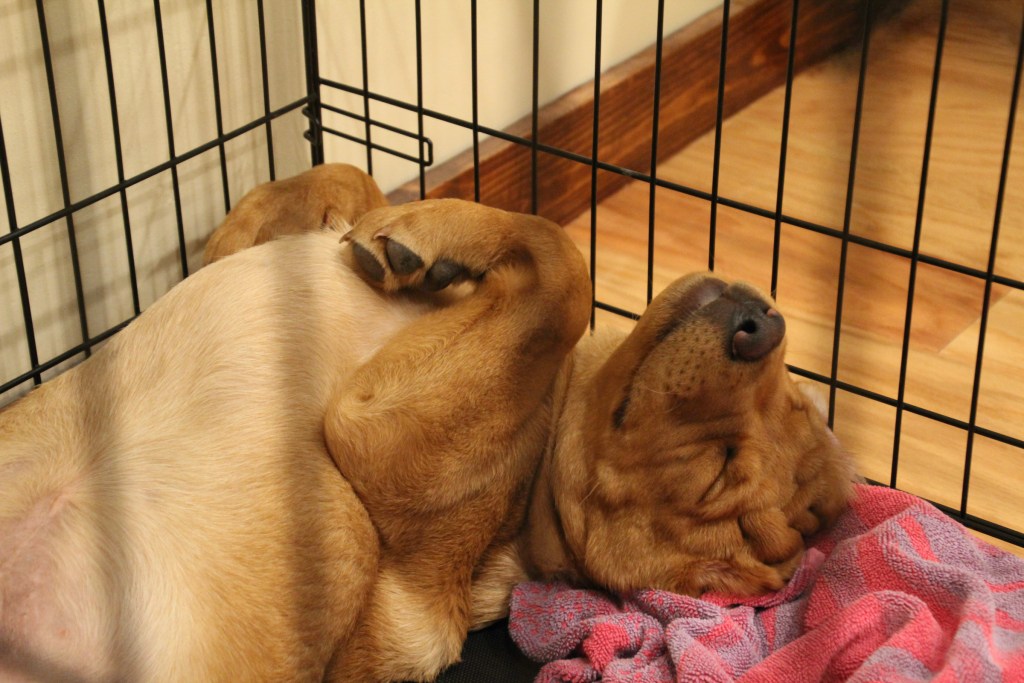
(303, 463)
(295, 205)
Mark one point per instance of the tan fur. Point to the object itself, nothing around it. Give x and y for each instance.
(655, 502)
(299, 465)
(328, 196)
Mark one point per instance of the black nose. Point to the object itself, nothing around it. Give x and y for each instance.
(757, 330)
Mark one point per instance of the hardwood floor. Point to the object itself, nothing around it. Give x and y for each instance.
(957, 217)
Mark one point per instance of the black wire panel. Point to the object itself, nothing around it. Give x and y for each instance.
(843, 234)
(916, 249)
(594, 148)
(719, 111)
(848, 212)
(990, 270)
(58, 136)
(420, 153)
(35, 365)
(655, 130)
(169, 126)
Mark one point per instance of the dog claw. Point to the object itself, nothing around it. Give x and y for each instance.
(402, 259)
(368, 262)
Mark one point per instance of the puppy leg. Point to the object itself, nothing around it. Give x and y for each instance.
(490, 356)
(438, 433)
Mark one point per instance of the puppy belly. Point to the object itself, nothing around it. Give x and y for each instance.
(49, 612)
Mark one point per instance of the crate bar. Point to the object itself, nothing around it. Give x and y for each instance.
(63, 169)
(19, 264)
(145, 175)
(169, 123)
(373, 145)
(419, 97)
(717, 163)
(655, 126)
(475, 95)
(784, 148)
(217, 105)
(594, 148)
(990, 269)
(67, 355)
(616, 310)
(870, 243)
(314, 134)
(266, 88)
(118, 157)
(976, 523)
(693, 192)
(535, 108)
(428, 159)
(916, 249)
(851, 180)
(366, 84)
(983, 525)
(911, 408)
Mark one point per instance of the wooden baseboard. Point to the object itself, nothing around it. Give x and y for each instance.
(756, 63)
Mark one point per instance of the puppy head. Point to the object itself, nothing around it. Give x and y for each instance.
(706, 463)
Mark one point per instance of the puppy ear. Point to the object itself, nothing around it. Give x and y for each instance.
(814, 395)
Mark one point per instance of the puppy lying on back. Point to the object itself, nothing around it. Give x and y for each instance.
(308, 461)
(684, 457)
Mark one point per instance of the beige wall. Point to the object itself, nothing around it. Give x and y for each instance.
(505, 38)
(505, 60)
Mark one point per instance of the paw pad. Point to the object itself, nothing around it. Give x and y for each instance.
(368, 262)
(403, 260)
(441, 274)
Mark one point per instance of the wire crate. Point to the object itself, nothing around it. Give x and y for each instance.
(127, 131)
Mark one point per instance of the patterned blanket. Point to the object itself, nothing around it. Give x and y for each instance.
(896, 591)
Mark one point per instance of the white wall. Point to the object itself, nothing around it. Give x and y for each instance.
(505, 62)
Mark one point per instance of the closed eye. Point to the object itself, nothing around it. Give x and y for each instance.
(729, 452)
(620, 413)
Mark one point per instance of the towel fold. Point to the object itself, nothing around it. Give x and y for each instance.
(895, 591)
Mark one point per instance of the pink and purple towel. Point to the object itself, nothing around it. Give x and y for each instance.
(896, 591)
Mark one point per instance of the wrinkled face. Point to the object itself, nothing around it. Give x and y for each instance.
(708, 464)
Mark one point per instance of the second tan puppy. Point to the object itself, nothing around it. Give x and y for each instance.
(306, 202)
(303, 464)
(280, 472)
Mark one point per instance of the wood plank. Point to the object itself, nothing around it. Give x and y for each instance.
(757, 59)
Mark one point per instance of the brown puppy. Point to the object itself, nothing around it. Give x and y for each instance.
(685, 458)
(306, 202)
(682, 456)
(194, 502)
(302, 465)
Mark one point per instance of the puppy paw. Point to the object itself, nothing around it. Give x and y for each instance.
(769, 535)
(393, 261)
(736, 576)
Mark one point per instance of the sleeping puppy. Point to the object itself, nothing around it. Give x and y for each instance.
(314, 460)
(684, 457)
